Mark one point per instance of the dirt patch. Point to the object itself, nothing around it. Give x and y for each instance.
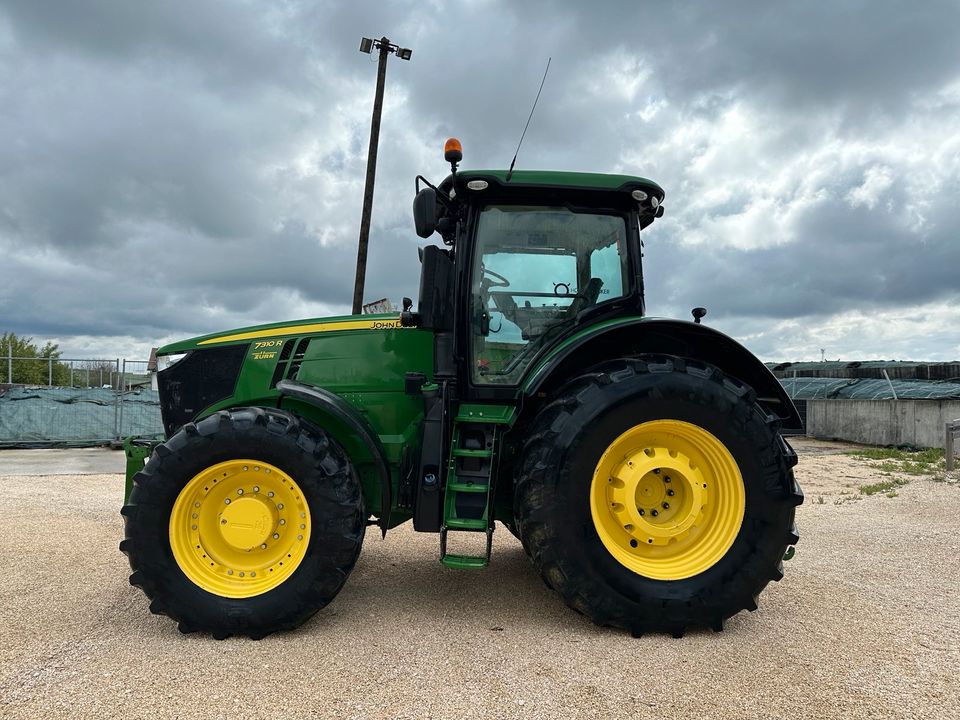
(840, 472)
(826, 470)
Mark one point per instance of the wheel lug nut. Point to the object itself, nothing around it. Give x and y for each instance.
(279, 506)
(263, 546)
(666, 478)
(270, 494)
(227, 501)
(654, 512)
(670, 493)
(239, 491)
(282, 521)
(276, 536)
(256, 488)
(642, 511)
(666, 506)
(656, 471)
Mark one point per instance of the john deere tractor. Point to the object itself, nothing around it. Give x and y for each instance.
(638, 460)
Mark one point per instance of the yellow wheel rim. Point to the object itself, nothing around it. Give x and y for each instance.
(667, 499)
(239, 528)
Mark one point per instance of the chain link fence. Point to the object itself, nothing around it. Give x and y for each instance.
(48, 402)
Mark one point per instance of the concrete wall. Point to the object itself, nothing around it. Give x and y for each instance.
(882, 422)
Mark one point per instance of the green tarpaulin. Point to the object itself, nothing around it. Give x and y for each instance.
(46, 416)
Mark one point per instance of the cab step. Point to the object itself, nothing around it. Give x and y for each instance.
(468, 487)
(468, 493)
(457, 561)
(464, 562)
(459, 452)
(466, 524)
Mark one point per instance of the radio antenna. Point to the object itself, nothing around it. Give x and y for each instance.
(513, 162)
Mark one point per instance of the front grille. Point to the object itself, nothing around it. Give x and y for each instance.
(198, 381)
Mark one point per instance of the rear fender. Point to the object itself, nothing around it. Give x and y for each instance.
(630, 337)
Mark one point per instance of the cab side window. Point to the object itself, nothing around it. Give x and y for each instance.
(535, 269)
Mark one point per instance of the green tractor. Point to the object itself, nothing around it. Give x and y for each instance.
(638, 460)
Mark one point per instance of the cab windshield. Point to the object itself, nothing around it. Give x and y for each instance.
(535, 270)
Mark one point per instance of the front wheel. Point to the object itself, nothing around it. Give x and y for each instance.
(656, 494)
(246, 522)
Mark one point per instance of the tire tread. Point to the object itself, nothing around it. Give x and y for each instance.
(552, 432)
(333, 485)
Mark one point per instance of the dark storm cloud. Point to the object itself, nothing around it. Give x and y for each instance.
(851, 59)
(129, 144)
(224, 41)
(845, 259)
(174, 168)
(859, 54)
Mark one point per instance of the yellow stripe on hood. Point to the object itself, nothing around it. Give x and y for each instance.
(379, 324)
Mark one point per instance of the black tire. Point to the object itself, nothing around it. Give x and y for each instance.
(552, 501)
(329, 485)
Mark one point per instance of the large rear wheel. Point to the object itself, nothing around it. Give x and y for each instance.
(247, 522)
(656, 494)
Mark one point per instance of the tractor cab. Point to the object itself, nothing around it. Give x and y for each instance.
(533, 256)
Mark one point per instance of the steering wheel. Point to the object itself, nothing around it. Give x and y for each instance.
(503, 281)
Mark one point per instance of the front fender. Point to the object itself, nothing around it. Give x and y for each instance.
(629, 337)
(335, 406)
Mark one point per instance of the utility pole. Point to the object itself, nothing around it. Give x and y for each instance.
(385, 47)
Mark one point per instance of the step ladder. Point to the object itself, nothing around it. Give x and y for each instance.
(469, 492)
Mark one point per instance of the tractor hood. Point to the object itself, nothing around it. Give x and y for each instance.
(358, 357)
(284, 329)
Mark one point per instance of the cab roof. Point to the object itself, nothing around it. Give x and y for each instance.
(558, 180)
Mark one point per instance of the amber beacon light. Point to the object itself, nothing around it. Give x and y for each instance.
(452, 150)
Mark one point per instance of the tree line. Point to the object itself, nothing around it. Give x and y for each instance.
(36, 365)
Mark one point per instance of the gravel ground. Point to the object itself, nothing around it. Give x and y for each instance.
(865, 625)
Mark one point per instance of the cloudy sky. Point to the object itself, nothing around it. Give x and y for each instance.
(174, 168)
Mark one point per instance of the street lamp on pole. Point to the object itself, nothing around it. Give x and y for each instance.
(385, 47)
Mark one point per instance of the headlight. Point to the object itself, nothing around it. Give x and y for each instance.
(168, 361)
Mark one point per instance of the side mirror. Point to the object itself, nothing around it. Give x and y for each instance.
(425, 212)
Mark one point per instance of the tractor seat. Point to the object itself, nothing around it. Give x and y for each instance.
(587, 298)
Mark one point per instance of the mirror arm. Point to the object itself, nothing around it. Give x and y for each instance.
(442, 196)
